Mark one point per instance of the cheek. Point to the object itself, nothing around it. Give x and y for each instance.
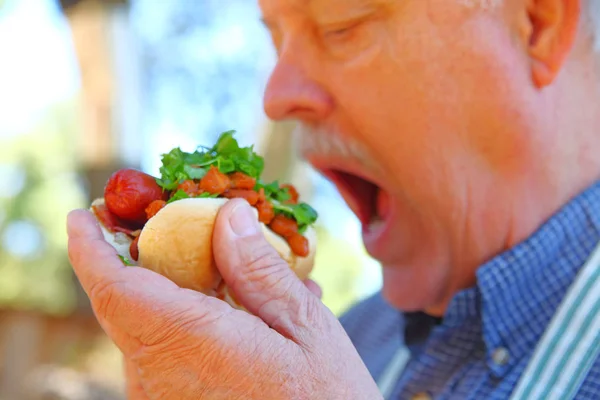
(391, 96)
(433, 107)
(399, 108)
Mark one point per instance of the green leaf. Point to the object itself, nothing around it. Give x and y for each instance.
(285, 209)
(249, 162)
(283, 195)
(197, 159)
(226, 144)
(228, 157)
(204, 195)
(225, 165)
(126, 261)
(194, 172)
(305, 215)
(172, 169)
(180, 194)
(275, 192)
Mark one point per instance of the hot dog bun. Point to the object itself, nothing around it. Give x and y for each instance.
(177, 243)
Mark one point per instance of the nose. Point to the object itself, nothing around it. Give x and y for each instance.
(292, 94)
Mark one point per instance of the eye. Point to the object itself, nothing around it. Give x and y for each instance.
(344, 40)
(337, 33)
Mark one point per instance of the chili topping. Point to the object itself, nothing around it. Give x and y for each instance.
(224, 170)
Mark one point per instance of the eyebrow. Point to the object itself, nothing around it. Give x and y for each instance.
(307, 3)
(267, 23)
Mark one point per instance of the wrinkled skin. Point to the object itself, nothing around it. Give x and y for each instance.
(477, 126)
(476, 123)
(180, 344)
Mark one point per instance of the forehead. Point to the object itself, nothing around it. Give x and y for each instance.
(273, 9)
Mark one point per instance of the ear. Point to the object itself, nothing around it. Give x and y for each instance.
(553, 27)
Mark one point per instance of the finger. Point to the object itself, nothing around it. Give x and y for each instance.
(133, 386)
(134, 305)
(260, 279)
(313, 287)
(94, 261)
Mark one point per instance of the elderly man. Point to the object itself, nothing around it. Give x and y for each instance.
(466, 137)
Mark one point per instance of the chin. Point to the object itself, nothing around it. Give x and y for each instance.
(414, 288)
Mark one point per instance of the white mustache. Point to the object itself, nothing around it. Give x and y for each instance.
(317, 141)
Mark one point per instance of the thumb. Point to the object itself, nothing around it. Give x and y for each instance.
(260, 279)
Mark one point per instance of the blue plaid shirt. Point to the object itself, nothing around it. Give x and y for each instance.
(500, 319)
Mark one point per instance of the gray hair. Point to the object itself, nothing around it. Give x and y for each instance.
(594, 19)
(591, 9)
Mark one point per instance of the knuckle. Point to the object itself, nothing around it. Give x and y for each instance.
(179, 322)
(312, 316)
(263, 264)
(302, 320)
(171, 328)
(104, 296)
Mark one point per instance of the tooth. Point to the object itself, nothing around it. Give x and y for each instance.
(375, 223)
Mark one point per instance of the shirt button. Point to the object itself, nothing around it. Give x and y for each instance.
(421, 396)
(500, 356)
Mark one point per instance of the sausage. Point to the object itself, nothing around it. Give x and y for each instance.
(298, 244)
(128, 192)
(265, 211)
(154, 208)
(293, 193)
(239, 180)
(111, 221)
(190, 187)
(284, 226)
(214, 182)
(133, 249)
(249, 195)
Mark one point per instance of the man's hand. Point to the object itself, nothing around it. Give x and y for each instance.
(184, 345)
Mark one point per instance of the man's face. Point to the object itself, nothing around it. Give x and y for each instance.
(421, 112)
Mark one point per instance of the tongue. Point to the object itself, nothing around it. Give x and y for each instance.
(383, 204)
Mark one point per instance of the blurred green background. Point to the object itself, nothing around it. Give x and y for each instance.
(88, 87)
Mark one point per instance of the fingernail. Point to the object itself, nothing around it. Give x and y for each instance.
(243, 221)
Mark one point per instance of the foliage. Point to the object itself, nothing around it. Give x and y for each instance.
(40, 278)
(203, 66)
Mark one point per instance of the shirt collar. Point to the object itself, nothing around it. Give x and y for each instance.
(518, 291)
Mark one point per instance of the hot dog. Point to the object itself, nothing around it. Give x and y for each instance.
(165, 223)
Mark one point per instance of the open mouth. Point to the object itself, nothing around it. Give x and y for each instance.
(366, 199)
